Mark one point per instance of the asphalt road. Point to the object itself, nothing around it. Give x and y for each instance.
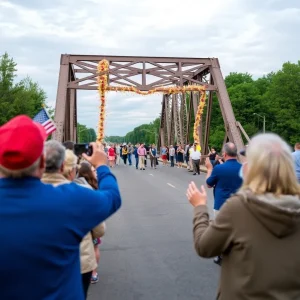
(147, 252)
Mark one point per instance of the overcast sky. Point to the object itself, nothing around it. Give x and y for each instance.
(246, 35)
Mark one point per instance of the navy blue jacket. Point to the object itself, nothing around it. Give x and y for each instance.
(41, 227)
(226, 180)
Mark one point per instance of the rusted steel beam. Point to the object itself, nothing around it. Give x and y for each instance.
(162, 124)
(73, 85)
(171, 71)
(175, 119)
(97, 58)
(88, 65)
(75, 119)
(168, 117)
(61, 98)
(184, 117)
(151, 71)
(207, 123)
(208, 119)
(198, 72)
(243, 131)
(67, 119)
(233, 131)
(189, 117)
(83, 67)
(72, 114)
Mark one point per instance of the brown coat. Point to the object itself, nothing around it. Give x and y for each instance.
(87, 253)
(259, 238)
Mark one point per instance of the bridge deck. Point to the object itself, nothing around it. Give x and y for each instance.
(148, 252)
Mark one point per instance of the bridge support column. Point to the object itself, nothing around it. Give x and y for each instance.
(61, 99)
(232, 129)
(72, 116)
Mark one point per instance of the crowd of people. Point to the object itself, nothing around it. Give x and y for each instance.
(53, 208)
(52, 214)
(190, 154)
(124, 152)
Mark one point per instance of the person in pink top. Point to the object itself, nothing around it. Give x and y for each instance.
(111, 156)
(142, 153)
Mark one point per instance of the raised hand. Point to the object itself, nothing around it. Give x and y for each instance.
(195, 196)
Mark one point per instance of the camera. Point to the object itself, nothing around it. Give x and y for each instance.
(83, 148)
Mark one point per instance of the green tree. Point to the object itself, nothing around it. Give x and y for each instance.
(29, 98)
(234, 79)
(24, 97)
(7, 75)
(245, 98)
(282, 102)
(51, 111)
(115, 139)
(85, 134)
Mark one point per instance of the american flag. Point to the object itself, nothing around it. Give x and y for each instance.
(43, 118)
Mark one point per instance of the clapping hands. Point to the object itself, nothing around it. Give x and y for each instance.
(195, 196)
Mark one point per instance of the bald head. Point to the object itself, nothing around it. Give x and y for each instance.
(230, 149)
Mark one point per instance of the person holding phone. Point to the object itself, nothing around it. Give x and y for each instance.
(51, 219)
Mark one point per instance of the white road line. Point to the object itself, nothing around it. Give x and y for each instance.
(151, 174)
(171, 185)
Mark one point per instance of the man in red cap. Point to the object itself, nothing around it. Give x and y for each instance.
(41, 226)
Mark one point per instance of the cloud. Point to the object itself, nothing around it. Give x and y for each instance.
(247, 36)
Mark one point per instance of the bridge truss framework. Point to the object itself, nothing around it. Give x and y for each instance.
(79, 72)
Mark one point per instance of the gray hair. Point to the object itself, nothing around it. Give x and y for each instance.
(54, 156)
(28, 172)
(230, 149)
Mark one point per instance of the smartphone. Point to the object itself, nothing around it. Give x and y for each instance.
(83, 148)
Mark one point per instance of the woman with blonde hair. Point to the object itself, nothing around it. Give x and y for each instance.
(257, 230)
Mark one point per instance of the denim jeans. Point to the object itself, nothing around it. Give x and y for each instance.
(129, 159)
(172, 161)
(137, 162)
(187, 158)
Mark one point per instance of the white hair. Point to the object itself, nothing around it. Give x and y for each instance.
(27, 172)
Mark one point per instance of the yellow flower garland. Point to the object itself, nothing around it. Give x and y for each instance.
(103, 66)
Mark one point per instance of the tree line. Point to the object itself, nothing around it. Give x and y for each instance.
(27, 97)
(275, 96)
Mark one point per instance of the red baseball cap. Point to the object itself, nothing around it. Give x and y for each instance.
(21, 143)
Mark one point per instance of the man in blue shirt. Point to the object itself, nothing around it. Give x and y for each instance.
(41, 226)
(296, 156)
(224, 178)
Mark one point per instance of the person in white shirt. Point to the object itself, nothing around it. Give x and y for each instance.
(172, 154)
(195, 156)
(118, 152)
